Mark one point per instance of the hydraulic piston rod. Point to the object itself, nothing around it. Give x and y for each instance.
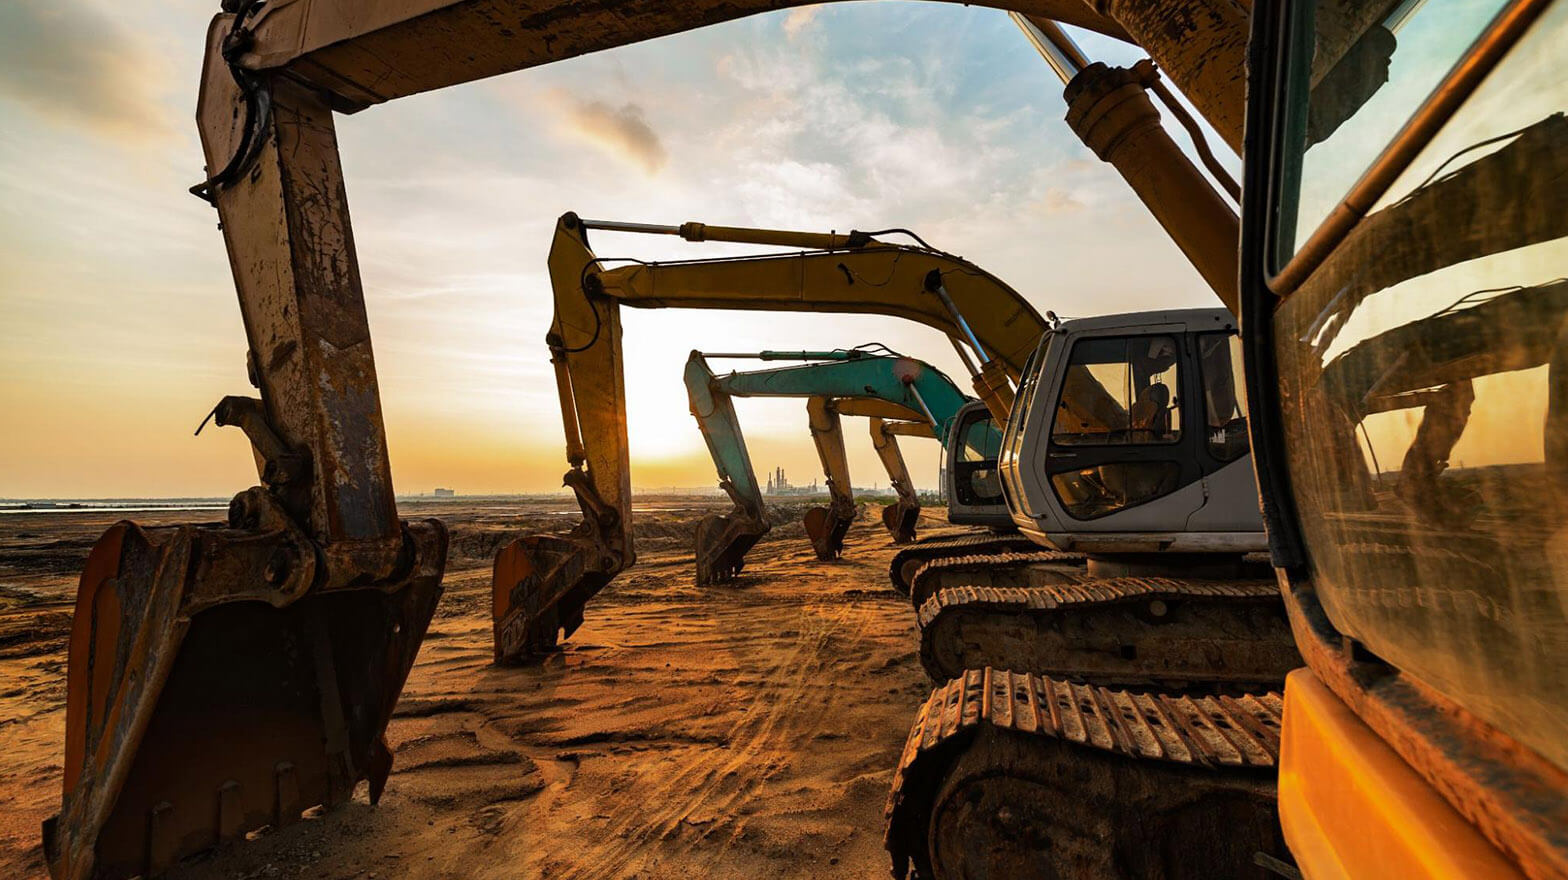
(693, 231)
(1110, 111)
(934, 285)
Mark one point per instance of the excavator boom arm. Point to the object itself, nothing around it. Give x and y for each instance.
(905, 382)
(879, 279)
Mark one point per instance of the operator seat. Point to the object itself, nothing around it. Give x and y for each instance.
(1151, 414)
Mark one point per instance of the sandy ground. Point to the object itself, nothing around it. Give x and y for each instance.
(741, 731)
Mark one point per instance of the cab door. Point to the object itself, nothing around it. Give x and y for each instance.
(1121, 452)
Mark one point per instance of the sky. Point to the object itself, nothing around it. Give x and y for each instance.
(121, 328)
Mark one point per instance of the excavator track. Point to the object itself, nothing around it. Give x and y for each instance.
(1019, 775)
(1129, 631)
(901, 571)
(988, 569)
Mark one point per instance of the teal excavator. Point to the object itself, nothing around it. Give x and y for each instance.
(912, 388)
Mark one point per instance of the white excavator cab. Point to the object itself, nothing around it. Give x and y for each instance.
(973, 483)
(1129, 437)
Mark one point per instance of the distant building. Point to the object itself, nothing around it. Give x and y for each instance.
(445, 493)
(779, 485)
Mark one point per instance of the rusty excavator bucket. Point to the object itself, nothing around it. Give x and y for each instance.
(541, 583)
(724, 539)
(221, 680)
(900, 518)
(826, 527)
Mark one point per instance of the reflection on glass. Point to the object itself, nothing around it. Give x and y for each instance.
(1424, 384)
(1374, 63)
(1120, 391)
(982, 441)
(1219, 362)
(1092, 492)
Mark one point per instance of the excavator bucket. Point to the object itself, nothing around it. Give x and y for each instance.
(216, 687)
(826, 527)
(541, 584)
(722, 543)
(899, 518)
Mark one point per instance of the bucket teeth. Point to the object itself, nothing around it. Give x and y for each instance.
(826, 527)
(722, 543)
(220, 681)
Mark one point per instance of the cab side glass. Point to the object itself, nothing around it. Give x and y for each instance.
(1423, 372)
(1023, 407)
(1117, 392)
(1093, 492)
(1371, 67)
(1120, 391)
(976, 481)
(1219, 361)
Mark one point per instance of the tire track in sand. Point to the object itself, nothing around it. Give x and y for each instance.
(794, 701)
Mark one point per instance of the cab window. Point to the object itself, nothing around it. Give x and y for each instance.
(1219, 361)
(1371, 66)
(1119, 391)
(976, 481)
(1423, 370)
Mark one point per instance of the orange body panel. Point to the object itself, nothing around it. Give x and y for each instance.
(1352, 808)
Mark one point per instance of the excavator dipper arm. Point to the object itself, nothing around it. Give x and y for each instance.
(222, 678)
(542, 582)
(723, 539)
(827, 526)
(893, 386)
(887, 421)
(900, 516)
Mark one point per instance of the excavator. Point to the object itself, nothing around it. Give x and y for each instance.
(911, 389)
(1404, 247)
(1114, 718)
(1398, 300)
(320, 536)
(1425, 736)
(542, 582)
(1160, 622)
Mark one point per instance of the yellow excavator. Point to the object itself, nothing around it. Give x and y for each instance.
(542, 582)
(1405, 242)
(1401, 254)
(1406, 270)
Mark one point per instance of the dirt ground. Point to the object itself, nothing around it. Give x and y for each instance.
(746, 731)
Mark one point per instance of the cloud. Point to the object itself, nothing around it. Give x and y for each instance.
(1060, 201)
(75, 65)
(798, 19)
(622, 131)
